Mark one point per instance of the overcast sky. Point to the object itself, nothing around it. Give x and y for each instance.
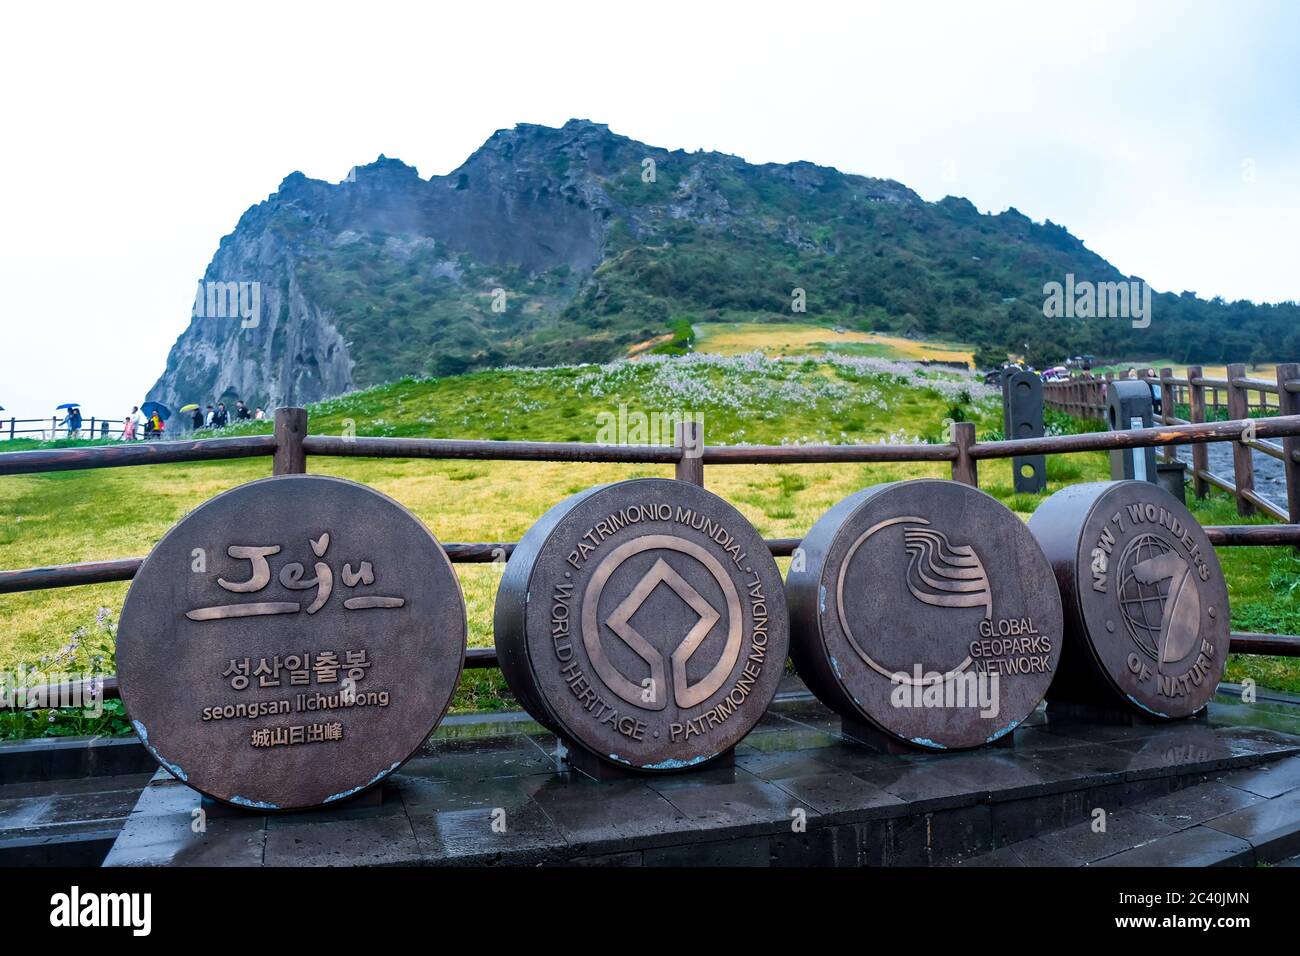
(133, 136)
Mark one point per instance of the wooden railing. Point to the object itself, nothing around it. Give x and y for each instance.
(51, 428)
(290, 446)
(1206, 399)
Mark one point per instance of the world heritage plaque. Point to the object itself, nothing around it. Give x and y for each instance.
(1146, 605)
(643, 621)
(925, 610)
(290, 642)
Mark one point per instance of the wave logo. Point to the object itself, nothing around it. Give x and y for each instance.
(942, 574)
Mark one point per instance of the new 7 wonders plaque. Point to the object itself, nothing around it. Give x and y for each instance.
(1146, 606)
(643, 621)
(925, 609)
(291, 642)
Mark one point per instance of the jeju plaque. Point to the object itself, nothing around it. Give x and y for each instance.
(1146, 605)
(925, 609)
(291, 642)
(643, 621)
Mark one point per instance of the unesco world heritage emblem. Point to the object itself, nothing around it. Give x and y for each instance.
(925, 609)
(1146, 619)
(645, 622)
(291, 642)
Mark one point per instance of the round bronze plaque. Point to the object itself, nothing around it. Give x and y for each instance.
(926, 609)
(1146, 606)
(291, 642)
(645, 622)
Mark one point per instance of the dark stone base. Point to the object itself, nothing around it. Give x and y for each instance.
(569, 756)
(215, 808)
(1103, 714)
(875, 738)
(799, 791)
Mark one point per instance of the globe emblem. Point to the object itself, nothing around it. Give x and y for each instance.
(1159, 605)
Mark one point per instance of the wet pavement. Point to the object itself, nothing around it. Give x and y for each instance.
(1270, 474)
(488, 791)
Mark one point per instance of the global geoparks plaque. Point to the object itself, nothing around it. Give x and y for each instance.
(291, 642)
(925, 610)
(643, 621)
(1147, 625)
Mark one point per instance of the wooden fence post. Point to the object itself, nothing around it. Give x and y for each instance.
(1243, 466)
(965, 468)
(1196, 414)
(290, 429)
(1288, 403)
(690, 439)
(1167, 407)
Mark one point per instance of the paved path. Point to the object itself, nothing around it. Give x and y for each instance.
(1270, 478)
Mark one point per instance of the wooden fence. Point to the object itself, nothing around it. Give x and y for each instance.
(51, 428)
(1083, 395)
(290, 446)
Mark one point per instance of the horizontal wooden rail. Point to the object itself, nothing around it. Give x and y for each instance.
(1263, 504)
(138, 453)
(211, 449)
(1267, 448)
(1273, 645)
(1200, 433)
(822, 454)
(488, 552)
(487, 450)
(1252, 535)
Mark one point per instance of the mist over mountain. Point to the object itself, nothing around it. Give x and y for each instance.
(552, 246)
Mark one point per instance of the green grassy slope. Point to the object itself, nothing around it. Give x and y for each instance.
(78, 516)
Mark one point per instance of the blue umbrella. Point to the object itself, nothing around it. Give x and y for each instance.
(68, 405)
(150, 407)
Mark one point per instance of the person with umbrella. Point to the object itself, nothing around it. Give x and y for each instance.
(157, 414)
(196, 416)
(72, 419)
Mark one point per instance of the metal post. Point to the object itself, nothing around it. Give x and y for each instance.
(290, 429)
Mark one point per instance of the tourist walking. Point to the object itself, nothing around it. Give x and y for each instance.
(73, 421)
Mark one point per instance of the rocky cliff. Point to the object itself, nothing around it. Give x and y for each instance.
(572, 244)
